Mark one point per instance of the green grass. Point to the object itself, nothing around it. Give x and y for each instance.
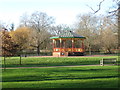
(62, 77)
(52, 61)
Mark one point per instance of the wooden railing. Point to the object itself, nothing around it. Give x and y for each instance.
(68, 50)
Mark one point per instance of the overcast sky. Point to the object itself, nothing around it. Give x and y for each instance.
(64, 11)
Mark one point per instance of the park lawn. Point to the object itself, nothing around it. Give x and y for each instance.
(61, 77)
(52, 61)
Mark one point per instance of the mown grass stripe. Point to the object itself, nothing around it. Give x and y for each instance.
(82, 83)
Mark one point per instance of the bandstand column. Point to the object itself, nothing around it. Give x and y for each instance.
(54, 46)
(72, 44)
(64, 43)
(53, 43)
(82, 44)
(60, 44)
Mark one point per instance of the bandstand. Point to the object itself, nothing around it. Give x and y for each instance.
(68, 44)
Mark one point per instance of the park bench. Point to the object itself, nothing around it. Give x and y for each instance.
(108, 61)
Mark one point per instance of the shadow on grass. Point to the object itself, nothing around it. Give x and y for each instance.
(92, 70)
(41, 65)
(55, 78)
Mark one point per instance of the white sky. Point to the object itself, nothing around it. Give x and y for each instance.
(64, 11)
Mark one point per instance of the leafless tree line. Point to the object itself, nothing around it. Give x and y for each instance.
(35, 30)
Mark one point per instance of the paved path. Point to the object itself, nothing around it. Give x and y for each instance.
(53, 66)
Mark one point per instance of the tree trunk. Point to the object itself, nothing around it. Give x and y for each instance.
(4, 63)
(38, 50)
(90, 50)
(109, 51)
(20, 60)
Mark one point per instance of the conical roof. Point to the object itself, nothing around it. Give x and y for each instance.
(68, 34)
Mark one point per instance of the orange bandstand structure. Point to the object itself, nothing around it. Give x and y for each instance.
(68, 44)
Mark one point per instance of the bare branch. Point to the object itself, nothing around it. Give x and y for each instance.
(99, 7)
(91, 8)
(113, 11)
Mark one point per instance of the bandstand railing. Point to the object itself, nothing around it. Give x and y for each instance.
(68, 50)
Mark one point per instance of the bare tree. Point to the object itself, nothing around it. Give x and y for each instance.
(119, 24)
(113, 12)
(6, 26)
(87, 26)
(56, 30)
(109, 40)
(24, 20)
(95, 29)
(40, 23)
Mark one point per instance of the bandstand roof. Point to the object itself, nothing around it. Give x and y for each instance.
(68, 34)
